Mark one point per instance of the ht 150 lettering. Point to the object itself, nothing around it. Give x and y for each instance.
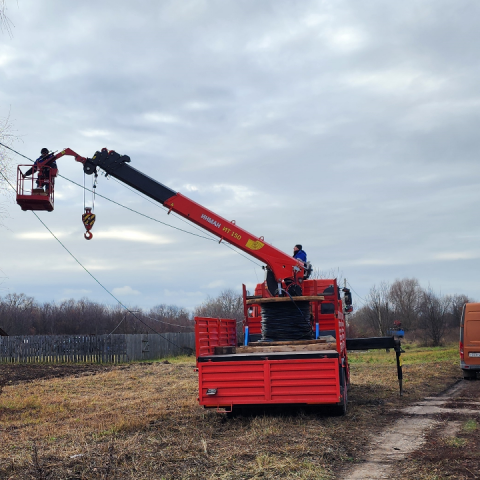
(228, 231)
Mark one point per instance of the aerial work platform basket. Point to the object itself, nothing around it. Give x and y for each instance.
(36, 191)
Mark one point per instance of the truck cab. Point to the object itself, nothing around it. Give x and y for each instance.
(470, 340)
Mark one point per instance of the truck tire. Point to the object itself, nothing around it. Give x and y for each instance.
(341, 409)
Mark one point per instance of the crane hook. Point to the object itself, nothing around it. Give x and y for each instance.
(88, 219)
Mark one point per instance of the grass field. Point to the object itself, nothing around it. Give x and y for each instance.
(142, 421)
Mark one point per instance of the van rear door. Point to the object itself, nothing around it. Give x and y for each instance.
(471, 334)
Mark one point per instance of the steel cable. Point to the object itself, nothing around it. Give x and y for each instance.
(146, 216)
(286, 321)
(96, 280)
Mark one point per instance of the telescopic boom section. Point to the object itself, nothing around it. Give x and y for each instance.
(281, 265)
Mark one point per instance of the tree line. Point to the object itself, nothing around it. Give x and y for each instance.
(22, 315)
(417, 309)
(429, 315)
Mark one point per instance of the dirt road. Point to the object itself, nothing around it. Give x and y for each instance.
(440, 426)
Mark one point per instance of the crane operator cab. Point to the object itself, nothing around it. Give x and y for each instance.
(35, 185)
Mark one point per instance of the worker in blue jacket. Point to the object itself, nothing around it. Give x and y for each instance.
(44, 160)
(299, 254)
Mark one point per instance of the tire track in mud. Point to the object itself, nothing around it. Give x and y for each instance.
(408, 434)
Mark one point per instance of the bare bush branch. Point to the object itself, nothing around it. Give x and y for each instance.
(5, 23)
(37, 467)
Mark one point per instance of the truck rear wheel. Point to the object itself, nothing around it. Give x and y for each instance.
(341, 410)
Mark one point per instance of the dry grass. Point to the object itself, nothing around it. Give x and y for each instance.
(441, 457)
(449, 452)
(426, 371)
(142, 421)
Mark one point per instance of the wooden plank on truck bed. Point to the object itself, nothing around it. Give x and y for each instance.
(287, 342)
(312, 347)
(308, 298)
(224, 350)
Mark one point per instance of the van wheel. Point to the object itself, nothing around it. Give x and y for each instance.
(469, 374)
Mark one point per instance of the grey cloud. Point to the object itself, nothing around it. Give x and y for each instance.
(353, 126)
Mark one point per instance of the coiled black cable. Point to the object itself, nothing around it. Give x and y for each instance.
(284, 321)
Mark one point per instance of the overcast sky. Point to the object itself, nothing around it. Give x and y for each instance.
(351, 127)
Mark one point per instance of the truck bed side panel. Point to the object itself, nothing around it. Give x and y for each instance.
(269, 382)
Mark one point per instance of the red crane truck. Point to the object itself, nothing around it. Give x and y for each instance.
(295, 347)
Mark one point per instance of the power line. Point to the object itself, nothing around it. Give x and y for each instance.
(135, 211)
(18, 153)
(94, 278)
(155, 320)
(162, 209)
(102, 286)
(210, 238)
(361, 299)
(128, 208)
(113, 201)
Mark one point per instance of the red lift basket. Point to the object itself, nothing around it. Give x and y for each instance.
(30, 195)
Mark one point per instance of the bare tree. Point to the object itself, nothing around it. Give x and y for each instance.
(6, 138)
(6, 135)
(5, 126)
(228, 304)
(170, 318)
(16, 310)
(434, 314)
(5, 22)
(405, 296)
(21, 315)
(379, 310)
(331, 273)
(458, 301)
(359, 323)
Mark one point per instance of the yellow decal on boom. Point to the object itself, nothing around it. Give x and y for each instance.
(254, 244)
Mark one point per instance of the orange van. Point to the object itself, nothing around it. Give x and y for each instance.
(470, 340)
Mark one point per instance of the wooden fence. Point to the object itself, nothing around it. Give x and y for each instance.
(94, 348)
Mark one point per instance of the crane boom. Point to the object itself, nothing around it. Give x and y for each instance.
(280, 266)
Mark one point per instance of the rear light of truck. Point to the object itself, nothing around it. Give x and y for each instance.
(461, 351)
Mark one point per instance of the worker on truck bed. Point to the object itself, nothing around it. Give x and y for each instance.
(299, 254)
(40, 163)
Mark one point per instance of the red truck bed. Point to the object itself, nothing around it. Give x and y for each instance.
(298, 378)
(303, 377)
